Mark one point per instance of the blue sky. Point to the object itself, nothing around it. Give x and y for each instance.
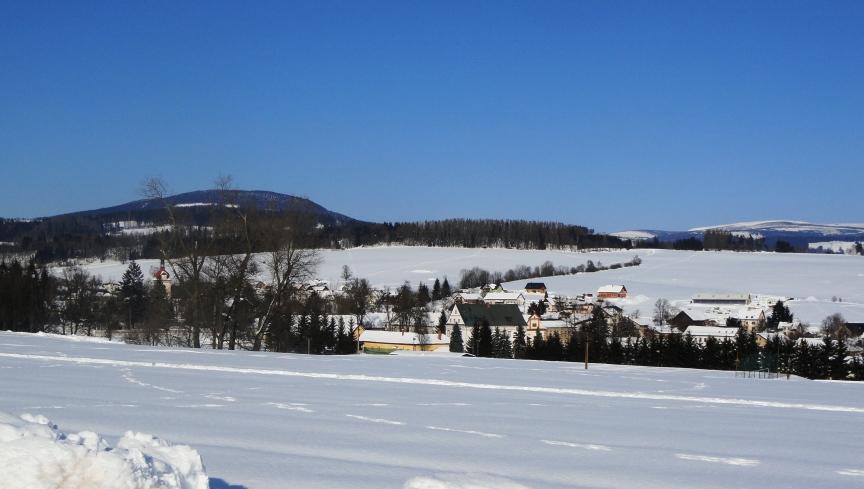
(614, 115)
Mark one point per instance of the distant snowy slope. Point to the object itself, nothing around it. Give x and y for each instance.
(634, 235)
(788, 227)
(674, 275)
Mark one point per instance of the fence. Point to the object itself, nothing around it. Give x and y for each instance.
(757, 374)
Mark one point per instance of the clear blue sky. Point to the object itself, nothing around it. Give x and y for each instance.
(614, 115)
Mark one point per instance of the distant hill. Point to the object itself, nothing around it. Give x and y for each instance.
(136, 229)
(798, 233)
(143, 210)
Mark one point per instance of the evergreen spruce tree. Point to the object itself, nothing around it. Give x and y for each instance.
(856, 369)
(445, 289)
(824, 358)
(442, 323)
(474, 339)
(727, 354)
(839, 369)
(506, 349)
(133, 292)
(803, 361)
(598, 331)
(616, 351)
(496, 342)
(538, 347)
(554, 348)
(456, 344)
(779, 313)
(423, 296)
(519, 343)
(484, 346)
(436, 290)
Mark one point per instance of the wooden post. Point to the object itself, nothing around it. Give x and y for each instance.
(586, 352)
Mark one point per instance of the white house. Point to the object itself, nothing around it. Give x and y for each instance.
(701, 333)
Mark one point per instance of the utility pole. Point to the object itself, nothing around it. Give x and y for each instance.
(586, 347)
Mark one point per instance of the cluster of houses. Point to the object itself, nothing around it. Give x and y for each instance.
(507, 310)
(705, 316)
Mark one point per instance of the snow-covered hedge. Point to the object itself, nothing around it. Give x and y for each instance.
(34, 454)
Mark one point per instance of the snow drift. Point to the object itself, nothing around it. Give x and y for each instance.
(36, 455)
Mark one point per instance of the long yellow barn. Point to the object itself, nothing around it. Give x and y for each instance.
(386, 341)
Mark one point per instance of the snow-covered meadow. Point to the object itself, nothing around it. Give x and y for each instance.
(266, 420)
(813, 280)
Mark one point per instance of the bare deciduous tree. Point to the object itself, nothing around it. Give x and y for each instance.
(663, 311)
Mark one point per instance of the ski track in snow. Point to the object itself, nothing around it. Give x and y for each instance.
(218, 397)
(852, 472)
(446, 383)
(291, 406)
(744, 462)
(586, 446)
(375, 420)
(467, 432)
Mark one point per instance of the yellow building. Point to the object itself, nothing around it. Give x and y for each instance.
(376, 341)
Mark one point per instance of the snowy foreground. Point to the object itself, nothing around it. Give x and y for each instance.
(438, 421)
(35, 454)
(812, 279)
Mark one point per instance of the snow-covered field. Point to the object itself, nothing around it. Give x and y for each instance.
(437, 421)
(812, 279)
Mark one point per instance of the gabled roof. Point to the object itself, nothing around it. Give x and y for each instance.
(749, 313)
(694, 314)
(535, 285)
(495, 314)
(715, 331)
(502, 296)
(611, 289)
(533, 297)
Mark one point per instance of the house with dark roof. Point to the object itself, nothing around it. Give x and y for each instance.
(506, 317)
(535, 288)
(690, 318)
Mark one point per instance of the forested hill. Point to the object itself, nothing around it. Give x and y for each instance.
(139, 228)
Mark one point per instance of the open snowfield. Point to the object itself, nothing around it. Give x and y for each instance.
(812, 279)
(438, 421)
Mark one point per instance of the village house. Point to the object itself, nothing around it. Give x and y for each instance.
(535, 288)
(612, 292)
(162, 275)
(701, 334)
(373, 341)
(721, 298)
(504, 297)
(752, 319)
(506, 317)
(651, 330)
(467, 298)
(690, 317)
(547, 325)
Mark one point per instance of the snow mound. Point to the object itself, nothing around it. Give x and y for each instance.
(35, 454)
(462, 481)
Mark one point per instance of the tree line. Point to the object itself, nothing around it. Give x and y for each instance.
(828, 360)
(478, 277)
